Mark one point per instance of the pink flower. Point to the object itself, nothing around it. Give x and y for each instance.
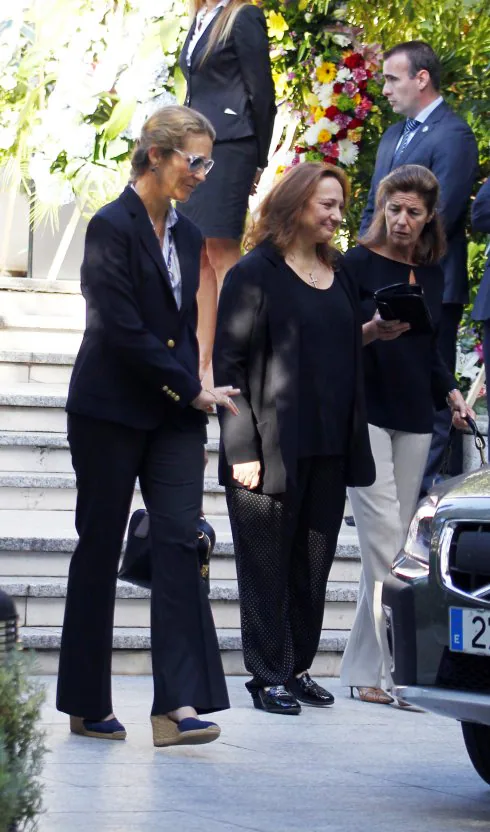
(295, 161)
(330, 149)
(350, 88)
(479, 351)
(342, 119)
(360, 112)
(359, 74)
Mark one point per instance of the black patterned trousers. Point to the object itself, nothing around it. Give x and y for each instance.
(284, 549)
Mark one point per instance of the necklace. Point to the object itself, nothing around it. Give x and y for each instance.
(312, 279)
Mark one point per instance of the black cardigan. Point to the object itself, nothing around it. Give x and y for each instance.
(407, 378)
(256, 349)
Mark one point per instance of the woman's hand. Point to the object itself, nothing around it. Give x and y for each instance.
(207, 399)
(379, 330)
(247, 473)
(255, 183)
(459, 410)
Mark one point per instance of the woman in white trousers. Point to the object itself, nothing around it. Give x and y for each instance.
(405, 381)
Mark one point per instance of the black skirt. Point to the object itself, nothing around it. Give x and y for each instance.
(219, 205)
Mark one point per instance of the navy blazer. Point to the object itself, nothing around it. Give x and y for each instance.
(480, 221)
(257, 349)
(235, 77)
(138, 361)
(446, 145)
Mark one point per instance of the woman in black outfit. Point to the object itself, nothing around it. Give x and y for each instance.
(136, 409)
(289, 335)
(226, 63)
(405, 381)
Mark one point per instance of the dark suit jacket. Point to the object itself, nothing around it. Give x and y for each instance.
(257, 349)
(138, 361)
(480, 221)
(446, 145)
(235, 76)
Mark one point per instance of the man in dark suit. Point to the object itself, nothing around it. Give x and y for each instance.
(433, 136)
(480, 221)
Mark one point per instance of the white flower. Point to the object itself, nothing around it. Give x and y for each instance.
(343, 74)
(331, 126)
(144, 111)
(348, 152)
(324, 93)
(51, 188)
(311, 135)
(341, 40)
(7, 137)
(466, 364)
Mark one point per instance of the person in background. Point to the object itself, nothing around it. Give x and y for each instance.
(480, 221)
(404, 381)
(432, 135)
(289, 336)
(136, 409)
(225, 60)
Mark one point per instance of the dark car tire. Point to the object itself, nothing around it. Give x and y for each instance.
(477, 741)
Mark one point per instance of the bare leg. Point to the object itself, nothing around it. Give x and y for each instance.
(217, 258)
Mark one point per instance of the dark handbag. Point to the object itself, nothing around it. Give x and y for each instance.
(405, 302)
(136, 563)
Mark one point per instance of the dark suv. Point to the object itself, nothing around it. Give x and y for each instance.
(437, 608)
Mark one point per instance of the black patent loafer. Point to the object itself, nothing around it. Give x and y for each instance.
(309, 692)
(276, 700)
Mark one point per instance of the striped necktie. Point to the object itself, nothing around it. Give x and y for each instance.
(411, 124)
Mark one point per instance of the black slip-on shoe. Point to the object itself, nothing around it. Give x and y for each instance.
(276, 700)
(309, 692)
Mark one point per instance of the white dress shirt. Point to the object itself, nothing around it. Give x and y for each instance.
(203, 19)
(169, 252)
(422, 116)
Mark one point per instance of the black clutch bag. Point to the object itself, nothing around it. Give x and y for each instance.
(136, 563)
(405, 302)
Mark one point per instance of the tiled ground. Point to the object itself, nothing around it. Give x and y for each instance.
(355, 766)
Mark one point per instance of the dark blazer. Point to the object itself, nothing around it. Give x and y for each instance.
(480, 221)
(257, 349)
(236, 76)
(138, 361)
(446, 145)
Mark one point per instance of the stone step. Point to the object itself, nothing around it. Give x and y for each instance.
(39, 408)
(19, 322)
(40, 544)
(38, 342)
(57, 492)
(41, 603)
(30, 452)
(41, 297)
(17, 367)
(131, 650)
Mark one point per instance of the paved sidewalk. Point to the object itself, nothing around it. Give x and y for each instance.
(353, 767)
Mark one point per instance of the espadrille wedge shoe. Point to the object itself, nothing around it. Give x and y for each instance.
(188, 731)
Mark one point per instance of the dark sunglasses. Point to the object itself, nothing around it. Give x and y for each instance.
(196, 163)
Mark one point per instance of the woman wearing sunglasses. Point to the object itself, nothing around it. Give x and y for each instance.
(225, 60)
(136, 409)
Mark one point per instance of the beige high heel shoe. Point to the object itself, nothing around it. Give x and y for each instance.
(376, 695)
(190, 731)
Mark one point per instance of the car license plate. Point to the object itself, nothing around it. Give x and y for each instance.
(469, 630)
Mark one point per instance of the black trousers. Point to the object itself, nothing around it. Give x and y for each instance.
(169, 462)
(284, 548)
(486, 357)
(447, 339)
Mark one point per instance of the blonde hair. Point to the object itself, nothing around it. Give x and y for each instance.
(222, 30)
(167, 130)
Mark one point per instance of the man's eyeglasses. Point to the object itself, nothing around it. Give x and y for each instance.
(196, 163)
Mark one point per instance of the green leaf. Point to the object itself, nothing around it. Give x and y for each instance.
(180, 85)
(169, 34)
(120, 118)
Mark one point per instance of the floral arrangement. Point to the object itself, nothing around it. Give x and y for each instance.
(344, 89)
